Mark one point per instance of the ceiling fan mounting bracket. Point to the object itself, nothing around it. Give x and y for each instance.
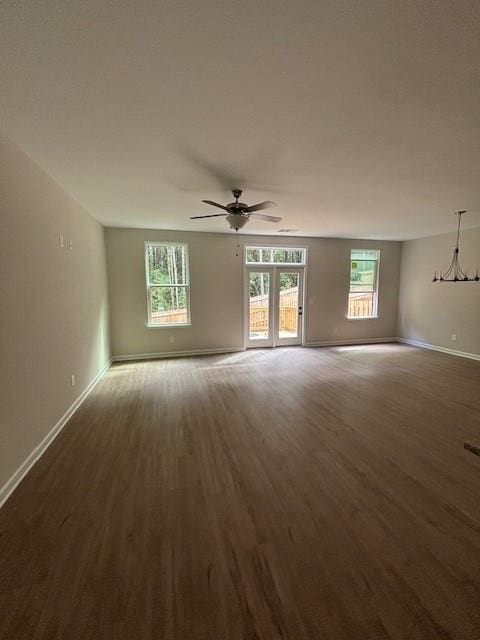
(237, 193)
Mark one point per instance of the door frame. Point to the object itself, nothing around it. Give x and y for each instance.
(274, 341)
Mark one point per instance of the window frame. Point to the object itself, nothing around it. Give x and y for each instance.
(149, 286)
(375, 284)
(275, 247)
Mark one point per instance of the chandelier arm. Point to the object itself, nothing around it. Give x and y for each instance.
(462, 274)
(451, 269)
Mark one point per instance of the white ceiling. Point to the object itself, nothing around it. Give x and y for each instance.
(359, 118)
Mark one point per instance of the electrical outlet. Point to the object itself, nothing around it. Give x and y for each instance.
(454, 337)
(72, 379)
(61, 242)
(172, 339)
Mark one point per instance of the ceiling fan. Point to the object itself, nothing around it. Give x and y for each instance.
(238, 213)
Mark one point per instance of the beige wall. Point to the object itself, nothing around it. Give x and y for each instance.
(216, 275)
(431, 312)
(53, 305)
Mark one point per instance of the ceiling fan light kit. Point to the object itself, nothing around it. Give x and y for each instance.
(236, 220)
(455, 273)
(238, 213)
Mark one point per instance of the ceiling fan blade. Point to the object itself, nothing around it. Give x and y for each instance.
(215, 204)
(213, 215)
(261, 205)
(262, 216)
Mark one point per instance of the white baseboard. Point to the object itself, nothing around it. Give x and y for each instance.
(204, 352)
(175, 354)
(346, 342)
(434, 347)
(39, 450)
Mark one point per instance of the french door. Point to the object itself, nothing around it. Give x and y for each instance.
(274, 306)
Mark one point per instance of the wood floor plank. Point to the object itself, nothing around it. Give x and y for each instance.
(286, 494)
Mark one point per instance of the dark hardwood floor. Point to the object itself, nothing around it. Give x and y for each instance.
(319, 494)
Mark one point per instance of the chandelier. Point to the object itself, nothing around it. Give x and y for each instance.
(455, 273)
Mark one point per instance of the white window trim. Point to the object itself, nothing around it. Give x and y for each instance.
(169, 325)
(275, 264)
(375, 315)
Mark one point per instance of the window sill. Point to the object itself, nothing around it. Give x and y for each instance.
(362, 317)
(168, 326)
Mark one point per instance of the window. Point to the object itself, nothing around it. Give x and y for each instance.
(362, 296)
(275, 255)
(168, 290)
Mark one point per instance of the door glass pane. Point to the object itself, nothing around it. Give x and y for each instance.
(292, 256)
(288, 305)
(275, 255)
(259, 305)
